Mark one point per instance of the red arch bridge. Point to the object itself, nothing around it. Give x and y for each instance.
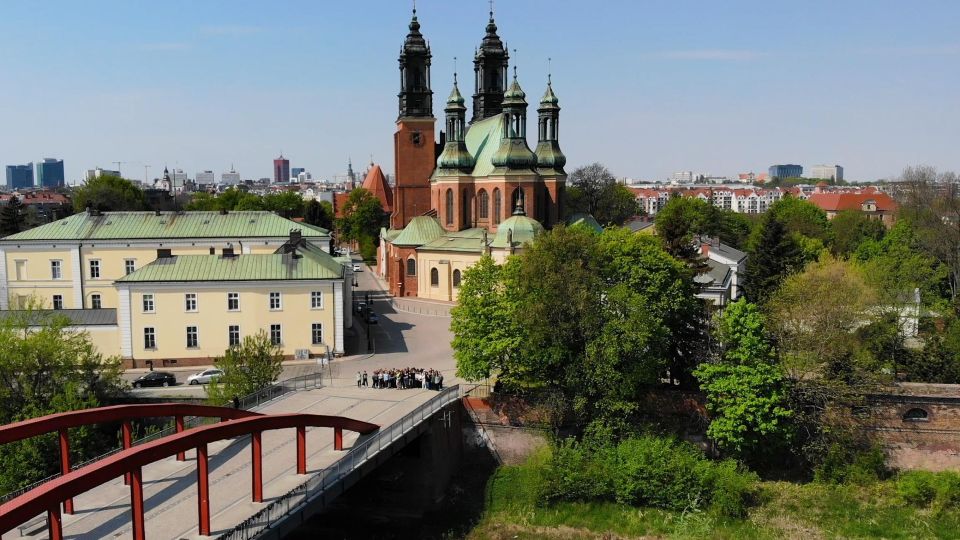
(48, 497)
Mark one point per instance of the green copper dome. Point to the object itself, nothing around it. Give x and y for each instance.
(549, 98)
(455, 157)
(514, 95)
(455, 98)
(516, 231)
(514, 154)
(549, 156)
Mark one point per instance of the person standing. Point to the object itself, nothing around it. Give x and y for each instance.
(364, 378)
(359, 379)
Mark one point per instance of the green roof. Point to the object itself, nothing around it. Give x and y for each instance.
(308, 265)
(467, 240)
(421, 230)
(585, 220)
(149, 225)
(389, 234)
(523, 229)
(483, 141)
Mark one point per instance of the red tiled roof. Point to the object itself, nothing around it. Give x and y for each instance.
(836, 202)
(376, 183)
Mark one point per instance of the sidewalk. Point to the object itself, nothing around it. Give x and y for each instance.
(434, 308)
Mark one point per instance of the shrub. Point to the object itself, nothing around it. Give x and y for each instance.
(927, 489)
(647, 471)
(846, 464)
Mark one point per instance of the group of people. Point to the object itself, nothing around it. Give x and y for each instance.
(430, 379)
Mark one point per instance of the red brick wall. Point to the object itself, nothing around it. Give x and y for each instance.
(413, 165)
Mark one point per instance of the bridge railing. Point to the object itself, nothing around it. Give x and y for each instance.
(250, 401)
(283, 506)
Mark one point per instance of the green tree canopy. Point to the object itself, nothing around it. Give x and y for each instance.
(362, 218)
(288, 204)
(773, 255)
(852, 228)
(254, 364)
(801, 217)
(48, 368)
(682, 220)
(109, 193)
(12, 217)
(594, 190)
(319, 213)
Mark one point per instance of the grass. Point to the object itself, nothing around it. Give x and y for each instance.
(785, 510)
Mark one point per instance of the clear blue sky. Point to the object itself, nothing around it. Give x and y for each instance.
(647, 87)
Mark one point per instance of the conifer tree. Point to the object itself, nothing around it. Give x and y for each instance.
(12, 217)
(773, 256)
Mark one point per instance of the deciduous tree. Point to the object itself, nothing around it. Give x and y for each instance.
(254, 364)
(109, 193)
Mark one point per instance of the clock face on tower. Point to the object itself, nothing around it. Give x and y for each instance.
(416, 138)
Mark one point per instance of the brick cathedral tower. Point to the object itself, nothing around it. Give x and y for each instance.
(414, 148)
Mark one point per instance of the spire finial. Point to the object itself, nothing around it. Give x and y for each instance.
(414, 9)
(454, 70)
(549, 70)
(491, 10)
(514, 64)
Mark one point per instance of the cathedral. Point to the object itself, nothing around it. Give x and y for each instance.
(481, 189)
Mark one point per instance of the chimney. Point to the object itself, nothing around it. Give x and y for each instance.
(89, 208)
(223, 211)
(295, 236)
(228, 251)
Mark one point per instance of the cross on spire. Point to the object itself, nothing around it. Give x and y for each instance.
(491, 10)
(549, 70)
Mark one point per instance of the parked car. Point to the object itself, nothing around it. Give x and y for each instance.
(155, 378)
(361, 307)
(205, 377)
(357, 267)
(372, 318)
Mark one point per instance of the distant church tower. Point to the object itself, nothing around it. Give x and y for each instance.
(490, 73)
(413, 143)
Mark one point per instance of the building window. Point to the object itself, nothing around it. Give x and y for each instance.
(95, 301)
(411, 267)
(497, 208)
(233, 335)
(316, 332)
(456, 278)
(276, 334)
(58, 301)
(233, 301)
(149, 338)
(94, 269)
(190, 301)
(316, 300)
(449, 207)
(148, 303)
(129, 265)
(483, 201)
(275, 301)
(56, 270)
(916, 415)
(434, 277)
(192, 337)
(21, 268)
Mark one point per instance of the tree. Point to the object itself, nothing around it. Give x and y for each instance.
(287, 204)
(47, 368)
(254, 364)
(773, 255)
(12, 217)
(682, 221)
(483, 335)
(852, 228)
(109, 193)
(594, 190)
(319, 213)
(362, 218)
(746, 389)
(203, 201)
(801, 217)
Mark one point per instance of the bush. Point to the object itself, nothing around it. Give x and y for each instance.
(647, 471)
(846, 464)
(927, 489)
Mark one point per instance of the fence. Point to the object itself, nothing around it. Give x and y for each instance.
(319, 483)
(251, 401)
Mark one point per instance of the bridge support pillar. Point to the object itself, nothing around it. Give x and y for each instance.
(181, 456)
(337, 438)
(203, 490)
(54, 525)
(65, 466)
(301, 450)
(136, 503)
(257, 468)
(127, 443)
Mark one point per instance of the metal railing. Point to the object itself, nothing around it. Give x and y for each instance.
(248, 402)
(317, 484)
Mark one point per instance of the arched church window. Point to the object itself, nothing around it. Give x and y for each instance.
(456, 278)
(497, 210)
(449, 207)
(465, 208)
(434, 277)
(411, 267)
(483, 200)
(916, 414)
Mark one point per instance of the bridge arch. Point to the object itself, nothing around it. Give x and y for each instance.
(47, 497)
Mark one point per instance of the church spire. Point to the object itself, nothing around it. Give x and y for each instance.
(490, 73)
(416, 97)
(455, 157)
(549, 156)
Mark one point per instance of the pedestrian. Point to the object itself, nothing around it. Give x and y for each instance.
(364, 378)
(359, 379)
(236, 402)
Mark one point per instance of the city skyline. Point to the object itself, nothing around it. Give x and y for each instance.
(646, 90)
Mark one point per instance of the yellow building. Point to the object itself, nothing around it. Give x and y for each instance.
(183, 300)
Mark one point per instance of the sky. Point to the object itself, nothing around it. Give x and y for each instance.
(647, 87)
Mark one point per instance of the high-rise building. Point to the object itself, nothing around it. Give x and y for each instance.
(786, 171)
(295, 172)
(281, 170)
(682, 177)
(98, 172)
(50, 173)
(20, 176)
(206, 178)
(827, 172)
(232, 177)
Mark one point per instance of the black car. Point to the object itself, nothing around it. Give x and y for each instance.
(155, 378)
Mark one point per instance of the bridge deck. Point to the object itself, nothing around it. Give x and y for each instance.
(170, 491)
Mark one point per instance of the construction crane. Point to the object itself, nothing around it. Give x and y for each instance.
(117, 163)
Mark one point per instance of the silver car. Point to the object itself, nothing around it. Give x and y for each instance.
(205, 377)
